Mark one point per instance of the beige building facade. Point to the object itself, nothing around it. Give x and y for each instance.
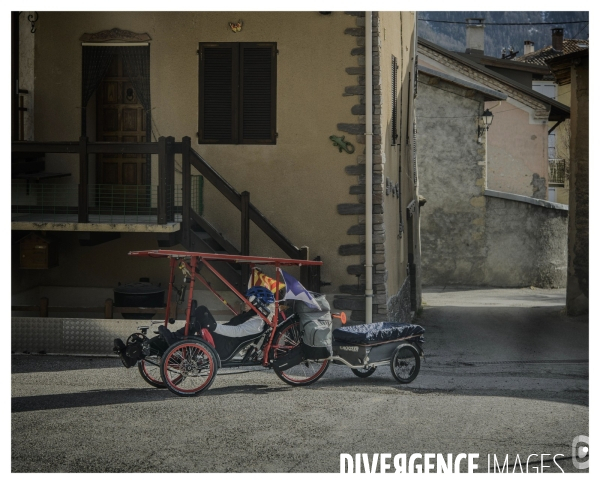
(312, 190)
(547, 83)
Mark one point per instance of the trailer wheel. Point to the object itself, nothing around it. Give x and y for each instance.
(405, 363)
(362, 372)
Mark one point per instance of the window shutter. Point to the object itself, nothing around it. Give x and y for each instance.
(416, 76)
(258, 71)
(218, 93)
(414, 150)
(394, 100)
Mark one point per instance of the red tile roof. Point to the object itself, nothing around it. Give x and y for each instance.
(540, 57)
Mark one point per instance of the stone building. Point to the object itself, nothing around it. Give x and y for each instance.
(472, 235)
(518, 144)
(264, 99)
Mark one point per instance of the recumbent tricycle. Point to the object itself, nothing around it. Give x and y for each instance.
(295, 339)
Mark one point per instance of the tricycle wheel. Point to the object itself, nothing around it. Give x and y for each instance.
(305, 373)
(405, 363)
(149, 368)
(188, 367)
(363, 372)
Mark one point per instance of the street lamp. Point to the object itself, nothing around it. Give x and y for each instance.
(487, 117)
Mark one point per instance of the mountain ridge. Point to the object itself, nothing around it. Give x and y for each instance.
(452, 36)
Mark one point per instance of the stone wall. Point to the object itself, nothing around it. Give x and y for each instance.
(452, 180)
(399, 306)
(525, 242)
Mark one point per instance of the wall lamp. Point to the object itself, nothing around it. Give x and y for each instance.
(487, 117)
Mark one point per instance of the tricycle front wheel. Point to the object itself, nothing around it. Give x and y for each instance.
(405, 363)
(188, 367)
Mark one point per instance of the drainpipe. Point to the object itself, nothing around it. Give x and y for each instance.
(369, 167)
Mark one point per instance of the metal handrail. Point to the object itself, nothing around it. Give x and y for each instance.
(235, 198)
(58, 202)
(165, 150)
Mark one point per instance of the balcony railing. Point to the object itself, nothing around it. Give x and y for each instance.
(158, 203)
(557, 171)
(58, 202)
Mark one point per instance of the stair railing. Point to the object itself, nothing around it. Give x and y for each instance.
(166, 148)
(241, 201)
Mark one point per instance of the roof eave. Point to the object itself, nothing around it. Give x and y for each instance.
(559, 109)
(561, 65)
(488, 94)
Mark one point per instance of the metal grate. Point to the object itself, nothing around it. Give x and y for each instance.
(56, 202)
(557, 171)
(69, 335)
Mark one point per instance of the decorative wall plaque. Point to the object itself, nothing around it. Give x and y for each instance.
(236, 27)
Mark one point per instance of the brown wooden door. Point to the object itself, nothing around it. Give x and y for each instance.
(120, 117)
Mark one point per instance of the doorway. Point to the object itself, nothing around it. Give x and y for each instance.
(120, 117)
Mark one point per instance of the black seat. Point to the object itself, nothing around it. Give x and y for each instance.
(227, 347)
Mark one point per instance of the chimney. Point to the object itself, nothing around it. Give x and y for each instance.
(528, 47)
(557, 39)
(475, 38)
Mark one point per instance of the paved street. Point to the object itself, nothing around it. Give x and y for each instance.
(505, 373)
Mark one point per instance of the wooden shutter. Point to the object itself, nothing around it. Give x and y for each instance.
(218, 93)
(394, 100)
(258, 80)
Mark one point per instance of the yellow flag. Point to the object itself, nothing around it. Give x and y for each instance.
(259, 279)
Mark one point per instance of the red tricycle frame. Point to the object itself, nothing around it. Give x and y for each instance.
(189, 262)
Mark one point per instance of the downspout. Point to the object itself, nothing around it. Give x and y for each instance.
(369, 167)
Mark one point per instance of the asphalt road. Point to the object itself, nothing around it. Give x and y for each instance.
(505, 373)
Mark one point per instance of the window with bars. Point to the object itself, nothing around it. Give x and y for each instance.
(416, 76)
(394, 100)
(237, 92)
